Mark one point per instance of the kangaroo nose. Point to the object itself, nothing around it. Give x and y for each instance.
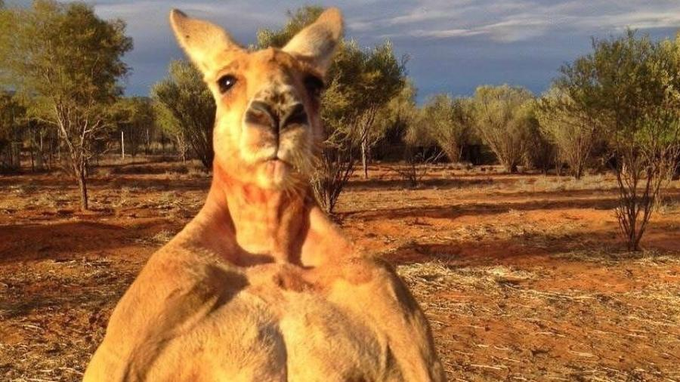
(263, 114)
(296, 115)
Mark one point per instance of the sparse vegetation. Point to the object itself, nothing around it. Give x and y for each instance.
(628, 87)
(136, 121)
(481, 252)
(185, 109)
(463, 196)
(40, 47)
(569, 128)
(504, 118)
(447, 122)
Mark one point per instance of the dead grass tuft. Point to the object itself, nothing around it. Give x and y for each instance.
(471, 300)
(162, 237)
(50, 335)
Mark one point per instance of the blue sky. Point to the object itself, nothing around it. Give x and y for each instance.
(454, 45)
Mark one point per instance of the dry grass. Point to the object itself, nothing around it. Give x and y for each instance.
(649, 315)
(163, 236)
(50, 334)
(520, 275)
(567, 183)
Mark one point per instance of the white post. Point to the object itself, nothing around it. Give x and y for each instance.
(122, 144)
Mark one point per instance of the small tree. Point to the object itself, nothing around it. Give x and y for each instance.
(503, 119)
(382, 79)
(399, 119)
(186, 110)
(134, 117)
(336, 166)
(339, 152)
(12, 124)
(630, 87)
(448, 122)
(170, 125)
(541, 153)
(40, 137)
(569, 128)
(362, 83)
(65, 62)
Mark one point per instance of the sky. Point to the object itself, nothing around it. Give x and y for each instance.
(453, 46)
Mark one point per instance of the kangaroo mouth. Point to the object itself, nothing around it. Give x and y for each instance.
(277, 167)
(275, 158)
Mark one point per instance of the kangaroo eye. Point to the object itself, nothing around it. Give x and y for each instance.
(314, 85)
(226, 82)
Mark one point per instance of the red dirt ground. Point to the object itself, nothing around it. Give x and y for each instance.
(523, 277)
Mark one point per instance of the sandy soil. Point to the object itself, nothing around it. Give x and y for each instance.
(523, 277)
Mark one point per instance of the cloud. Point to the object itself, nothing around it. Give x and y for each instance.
(454, 45)
(638, 20)
(239, 16)
(504, 31)
(518, 20)
(446, 33)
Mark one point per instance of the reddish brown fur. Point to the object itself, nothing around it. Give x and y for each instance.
(260, 285)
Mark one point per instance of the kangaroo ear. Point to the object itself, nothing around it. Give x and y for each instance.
(201, 40)
(317, 42)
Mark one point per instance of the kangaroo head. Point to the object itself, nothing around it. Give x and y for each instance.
(267, 127)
